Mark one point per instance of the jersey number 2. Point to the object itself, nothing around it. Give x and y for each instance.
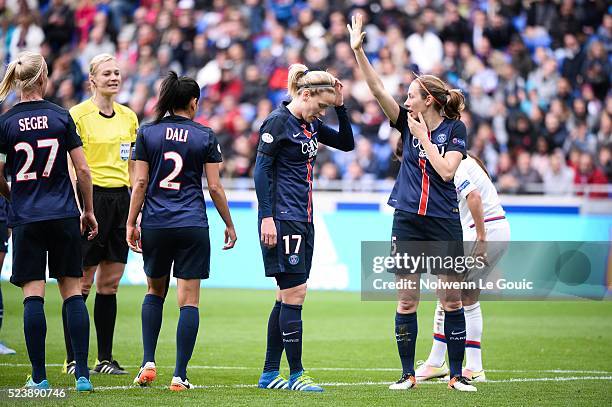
(168, 182)
(23, 174)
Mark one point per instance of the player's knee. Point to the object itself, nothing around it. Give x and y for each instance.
(451, 304)
(407, 306)
(107, 287)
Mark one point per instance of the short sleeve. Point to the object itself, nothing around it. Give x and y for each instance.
(463, 185)
(134, 132)
(271, 134)
(458, 138)
(213, 153)
(140, 152)
(73, 140)
(401, 124)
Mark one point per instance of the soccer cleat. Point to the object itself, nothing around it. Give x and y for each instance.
(108, 367)
(272, 380)
(69, 367)
(31, 384)
(425, 371)
(179, 384)
(5, 350)
(146, 375)
(460, 383)
(83, 384)
(407, 381)
(472, 376)
(301, 382)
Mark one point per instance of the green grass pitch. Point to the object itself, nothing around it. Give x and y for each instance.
(535, 353)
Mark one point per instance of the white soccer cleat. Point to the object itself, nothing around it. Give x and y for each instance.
(5, 350)
(146, 375)
(406, 382)
(428, 372)
(473, 376)
(460, 383)
(179, 384)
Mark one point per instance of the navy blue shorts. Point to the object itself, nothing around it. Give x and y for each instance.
(4, 237)
(59, 239)
(418, 235)
(187, 247)
(292, 253)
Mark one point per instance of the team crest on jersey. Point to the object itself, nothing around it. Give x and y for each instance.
(441, 138)
(294, 259)
(267, 138)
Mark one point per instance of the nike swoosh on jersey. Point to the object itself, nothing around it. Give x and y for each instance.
(290, 333)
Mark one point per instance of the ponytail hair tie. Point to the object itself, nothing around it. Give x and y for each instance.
(306, 72)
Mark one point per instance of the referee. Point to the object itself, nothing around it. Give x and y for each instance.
(108, 132)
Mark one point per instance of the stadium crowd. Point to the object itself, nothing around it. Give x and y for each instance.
(536, 74)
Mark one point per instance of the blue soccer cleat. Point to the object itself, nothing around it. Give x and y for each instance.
(301, 382)
(83, 384)
(31, 384)
(272, 380)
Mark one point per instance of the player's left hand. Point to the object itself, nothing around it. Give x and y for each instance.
(480, 251)
(339, 101)
(89, 222)
(230, 238)
(418, 128)
(132, 236)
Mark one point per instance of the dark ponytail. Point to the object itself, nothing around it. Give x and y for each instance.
(174, 94)
(480, 163)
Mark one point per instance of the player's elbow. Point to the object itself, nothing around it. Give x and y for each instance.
(474, 197)
(140, 182)
(447, 176)
(215, 189)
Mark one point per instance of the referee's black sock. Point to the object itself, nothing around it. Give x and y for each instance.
(78, 326)
(406, 329)
(105, 314)
(454, 330)
(291, 329)
(274, 348)
(35, 330)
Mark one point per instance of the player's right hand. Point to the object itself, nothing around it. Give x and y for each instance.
(268, 232)
(355, 31)
(132, 236)
(89, 222)
(230, 237)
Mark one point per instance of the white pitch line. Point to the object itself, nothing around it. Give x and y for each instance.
(369, 383)
(339, 369)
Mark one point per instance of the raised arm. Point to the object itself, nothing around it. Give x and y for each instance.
(384, 98)
(342, 139)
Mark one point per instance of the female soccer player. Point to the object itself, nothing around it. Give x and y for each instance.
(171, 155)
(289, 138)
(36, 137)
(108, 132)
(483, 220)
(4, 238)
(432, 146)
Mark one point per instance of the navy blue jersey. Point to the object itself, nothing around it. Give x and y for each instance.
(293, 143)
(419, 188)
(3, 210)
(36, 137)
(176, 149)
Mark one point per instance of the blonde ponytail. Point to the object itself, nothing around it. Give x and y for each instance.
(300, 78)
(24, 73)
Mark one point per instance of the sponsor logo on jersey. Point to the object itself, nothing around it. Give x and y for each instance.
(458, 141)
(267, 138)
(310, 147)
(294, 259)
(463, 185)
(441, 138)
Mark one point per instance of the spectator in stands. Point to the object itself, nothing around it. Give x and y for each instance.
(559, 178)
(589, 174)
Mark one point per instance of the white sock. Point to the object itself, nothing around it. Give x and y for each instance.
(438, 348)
(473, 327)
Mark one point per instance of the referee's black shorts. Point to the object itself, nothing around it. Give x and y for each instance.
(53, 241)
(417, 235)
(111, 207)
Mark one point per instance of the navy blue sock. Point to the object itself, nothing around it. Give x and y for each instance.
(67, 340)
(105, 315)
(454, 330)
(406, 329)
(274, 349)
(35, 330)
(152, 310)
(291, 331)
(78, 325)
(186, 334)
(1, 308)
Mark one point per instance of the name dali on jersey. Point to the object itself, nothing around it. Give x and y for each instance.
(177, 134)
